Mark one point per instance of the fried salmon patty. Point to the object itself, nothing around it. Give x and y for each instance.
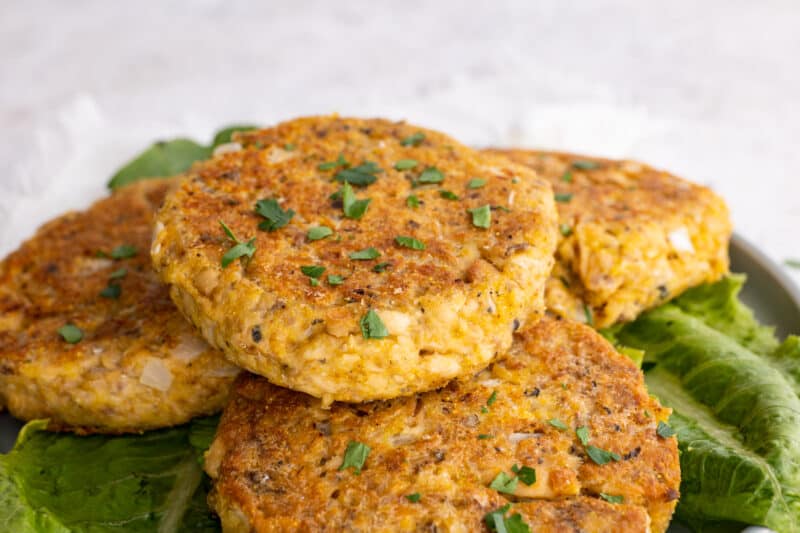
(348, 301)
(562, 403)
(631, 236)
(139, 364)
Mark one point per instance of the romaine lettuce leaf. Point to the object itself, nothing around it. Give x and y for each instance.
(737, 413)
(54, 482)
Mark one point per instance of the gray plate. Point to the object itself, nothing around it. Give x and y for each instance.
(768, 291)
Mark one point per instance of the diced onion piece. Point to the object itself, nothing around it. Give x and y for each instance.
(519, 437)
(156, 375)
(227, 148)
(189, 348)
(680, 240)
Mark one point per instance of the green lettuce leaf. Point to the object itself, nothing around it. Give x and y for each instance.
(736, 408)
(54, 482)
(168, 158)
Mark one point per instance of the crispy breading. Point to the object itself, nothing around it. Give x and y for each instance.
(449, 308)
(140, 364)
(276, 458)
(632, 237)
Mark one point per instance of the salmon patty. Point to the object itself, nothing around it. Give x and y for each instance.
(357, 259)
(561, 428)
(89, 337)
(631, 236)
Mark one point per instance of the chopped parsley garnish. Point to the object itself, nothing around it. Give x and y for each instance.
(70, 333)
(794, 263)
(664, 431)
(484, 436)
(583, 434)
(526, 474)
(448, 195)
(481, 216)
(333, 279)
(112, 291)
(118, 274)
(556, 423)
(409, 242)
(372, 327)
(289, 147)
(587, 311)
(330, 165)
(610, 498)
(647, 413)
(585, 165)
(492, 398)
(497, 522)
(360, 176)
(563, 197)
(567, 177)
(240, 249)
(365, 254)
(352, 207)
(504, 483)
(314, 282)
(319, 232)
(413, 498)
(431, 175)
(476, 183)
(601, 456)
(406, 164)
(312, 271)
(484, 409)
(380, 267)
(275, 216)
(412, 201)
(124, 251)
(355, 456)
(565, 229)
(413, 140)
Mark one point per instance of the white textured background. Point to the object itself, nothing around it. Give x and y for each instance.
(709, 90)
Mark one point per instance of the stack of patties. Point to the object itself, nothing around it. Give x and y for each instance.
(388, 284)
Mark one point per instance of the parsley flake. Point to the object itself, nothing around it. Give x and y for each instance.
(413, 498)
(585, 165)
(240, 249)
(372, 327)
(333, 279)
(312, 271)
(70, 333)
(497, 522)
(481, 216)
(412, 201)
(484, 436)
(360, 176)
(118, 274)
(406, 164)
(448, 195)
(556, 423)
(563, 197)
(409, 242)
(352, 207)
(664, 431)
(289, 147)
(583, 434)
(587, 311)
(601, 456)
(380, 267)
(565, 230)
(112, 291)
(610, 498)
(504, 483)
(492, 398)
(476, 183)
(124, 251)
(413, 140)
(526, 474)
(275, 216)
(365, 254)
(431, 175)
(567, 177)
(319, 232)
(330, 165)
(355, 456)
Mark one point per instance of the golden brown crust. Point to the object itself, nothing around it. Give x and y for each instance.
(449, 308)
(638, 236)
(99, 383)
(276, 457)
